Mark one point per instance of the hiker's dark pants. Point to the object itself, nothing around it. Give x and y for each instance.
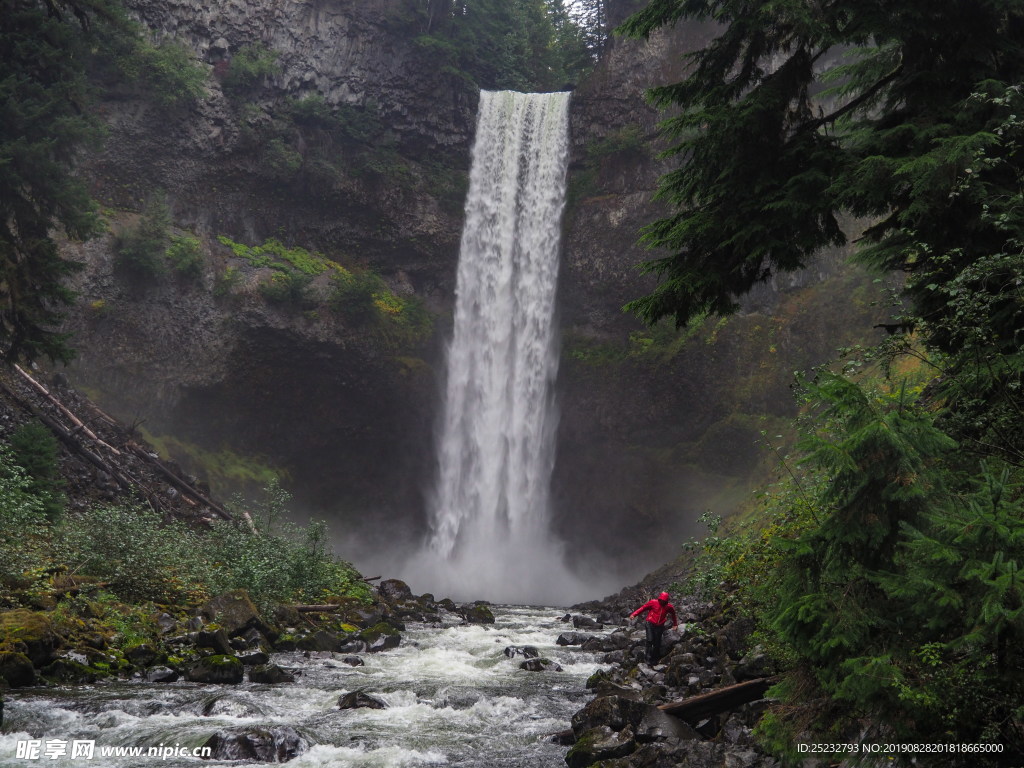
(654, 633)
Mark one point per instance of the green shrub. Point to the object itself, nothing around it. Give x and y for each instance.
(23, 530)
(170, 72)
(186, 255)
(352, 296)
(248, 67)
(286, 287)
(226, 281)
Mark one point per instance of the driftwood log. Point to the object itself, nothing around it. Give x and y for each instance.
(697, 708)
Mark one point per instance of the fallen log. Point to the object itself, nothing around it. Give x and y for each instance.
(697, 708)
(329, 608)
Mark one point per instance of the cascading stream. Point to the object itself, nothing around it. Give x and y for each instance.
(490, 510)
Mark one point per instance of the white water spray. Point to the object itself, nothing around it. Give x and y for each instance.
(490, 509)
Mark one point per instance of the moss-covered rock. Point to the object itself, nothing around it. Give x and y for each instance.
(478, 613)
(601, 743)
(219, 668)
(235, 612)
(65, 670)
(31, 632)
(16, 670)
(380, 637)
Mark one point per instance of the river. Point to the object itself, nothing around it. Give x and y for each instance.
(453, 698)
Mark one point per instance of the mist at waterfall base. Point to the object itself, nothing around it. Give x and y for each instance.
(489, 512)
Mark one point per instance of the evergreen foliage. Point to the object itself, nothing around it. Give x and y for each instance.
(142, 248)
(49, 52)
(525, 45)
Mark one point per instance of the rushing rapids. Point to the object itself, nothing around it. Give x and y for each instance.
(490, 510)
(453, 698)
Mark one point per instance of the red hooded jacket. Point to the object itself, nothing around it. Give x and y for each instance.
(657, 613)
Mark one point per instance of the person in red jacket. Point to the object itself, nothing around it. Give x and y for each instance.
(658, 611)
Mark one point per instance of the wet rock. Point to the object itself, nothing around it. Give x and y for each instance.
(572, 638)
(141, 655)
(478, 613)
(600, 743)
(254, 659)
(394, 591)
(320, 641)
(353, 646)
(162, 675)
(253, 638)
(30, 633)
(584, 622)
(235, 612)
(270, 674)
(616, 641)
(363, 616)
(352, 661)
(16, 670)
(68, 671)
(540, 665)
(564, 738)
(360, 700)
(219, 668)
(526, 651)
(380, 637)
(267, 745)
(657, 725)
(217, 640)
(616, 712)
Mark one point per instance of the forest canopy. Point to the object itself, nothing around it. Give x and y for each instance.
(885, 571)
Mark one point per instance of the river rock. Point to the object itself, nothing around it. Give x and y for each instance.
(270, 674)
(394, 591)
(584, 622)
(235, 612)
(321, 640)
(600, 743)
(360, 700)
(141, 655)
(352, 661)
(572, 638)
(17, 670)
(68, 671)
(540, 665)
(220, 668)
(162, 675)
(217, 640)
(615, 712)
(526, 651)
(30, 633)
(380, 637)
(268, 745)
(478, 613)
(254, 659)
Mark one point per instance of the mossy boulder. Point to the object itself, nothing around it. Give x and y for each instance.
(320, 641)
(270, 674)
(32, 633)
(380, 637)
(16, 670)
(66, 670)
(478, 613)
(235, 612)
(601, 743)
(219, 668)
(141, 655)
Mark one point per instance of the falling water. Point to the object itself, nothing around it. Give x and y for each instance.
(490, 509)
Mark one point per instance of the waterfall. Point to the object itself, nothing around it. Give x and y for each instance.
(489, 511)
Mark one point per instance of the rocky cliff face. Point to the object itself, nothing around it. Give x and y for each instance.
(656, 426)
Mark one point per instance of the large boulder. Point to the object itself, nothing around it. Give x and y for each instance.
(477, 613)
(615, 712)
(270, 674)
(394, 591)
(321, 640)
(267, 745)
(380, 637)
(572, 638)
(235, 613)
(219, 669)
(31, 633)
(600, 743)
(16, 670)
(540, 665)
(217, 640)
(360, 700)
